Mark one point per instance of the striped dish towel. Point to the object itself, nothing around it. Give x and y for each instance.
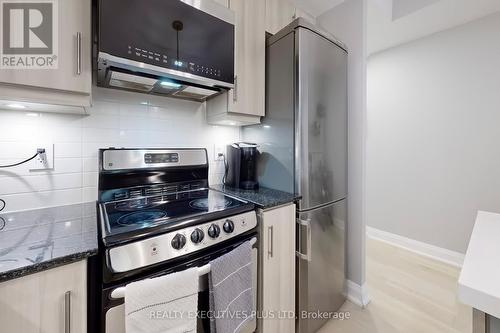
(164, 304)
(230, 283)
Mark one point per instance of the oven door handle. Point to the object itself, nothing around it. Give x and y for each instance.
(203, 270)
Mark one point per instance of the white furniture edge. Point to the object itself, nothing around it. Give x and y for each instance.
(431, 251)
(357, 294)
(478, 284)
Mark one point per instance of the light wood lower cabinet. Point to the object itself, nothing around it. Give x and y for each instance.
(52, 301)
(277, 269)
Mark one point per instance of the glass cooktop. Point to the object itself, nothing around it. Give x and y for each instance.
(146, 212)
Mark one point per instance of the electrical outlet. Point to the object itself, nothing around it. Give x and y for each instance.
(218, 150)
(44, 161)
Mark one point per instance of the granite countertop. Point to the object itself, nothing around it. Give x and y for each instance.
(40, 239)
(263, 197)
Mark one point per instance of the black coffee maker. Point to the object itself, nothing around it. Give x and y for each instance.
(241, 168)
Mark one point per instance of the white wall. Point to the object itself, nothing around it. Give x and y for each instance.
(77, 139)
(348, 23)
(433, 150)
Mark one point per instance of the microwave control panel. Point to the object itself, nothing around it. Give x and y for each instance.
(183, 65)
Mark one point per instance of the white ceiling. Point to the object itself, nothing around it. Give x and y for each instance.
(394, 22)
(316, 7)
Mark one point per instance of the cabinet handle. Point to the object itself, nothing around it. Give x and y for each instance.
(235, 89)
(67, 312)
(270, 234)
(78, 53)
(307, 224)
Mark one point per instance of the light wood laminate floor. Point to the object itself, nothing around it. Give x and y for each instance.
(409, 293)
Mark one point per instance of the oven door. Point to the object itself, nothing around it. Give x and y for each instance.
(114, 309)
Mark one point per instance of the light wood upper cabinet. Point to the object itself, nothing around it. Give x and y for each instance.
(225, 3)
(71, 82)
(277, 258)
(45, 302)
(244, 104)
(248, 96)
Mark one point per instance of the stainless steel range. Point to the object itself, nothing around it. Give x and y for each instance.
(158, 216)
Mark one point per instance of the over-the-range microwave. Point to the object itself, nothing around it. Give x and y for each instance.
(176, 48)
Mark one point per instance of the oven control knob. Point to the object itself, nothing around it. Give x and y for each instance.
(197, 236)
(228, 226)
(214, 231)
(178, 241)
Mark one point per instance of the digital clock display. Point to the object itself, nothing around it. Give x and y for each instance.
(161, 158)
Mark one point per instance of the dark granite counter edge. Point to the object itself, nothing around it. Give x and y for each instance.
(274, 205)
(260, 197)
(46, 265)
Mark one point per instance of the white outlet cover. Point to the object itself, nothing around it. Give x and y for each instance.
(38, 164)
(219, 149)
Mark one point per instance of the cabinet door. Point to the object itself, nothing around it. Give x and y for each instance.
(248, 97)
(278, 269)
(74, 19)
(279, 13)
(45, 302)
(225, 3)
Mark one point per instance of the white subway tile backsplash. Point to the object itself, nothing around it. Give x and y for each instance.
(90, 179)
(65, 150)
(91, 134)
(105, 108)
(89, 194)
(90, 149)
(33, 200)
(59, 120)
(90, 164)
(18, 132)
(64, 165)
(37, 183)
(96, 120)
(130, 110)
(135, 123)
(58, 134)
(77, 138)
(15, 151)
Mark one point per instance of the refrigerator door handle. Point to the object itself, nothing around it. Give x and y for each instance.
(307, 224)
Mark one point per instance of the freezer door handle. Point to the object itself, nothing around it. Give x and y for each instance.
(307, 224)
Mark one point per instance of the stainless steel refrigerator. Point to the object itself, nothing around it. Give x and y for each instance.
(303, 145)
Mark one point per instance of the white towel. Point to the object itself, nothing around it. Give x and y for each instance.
(166, 304)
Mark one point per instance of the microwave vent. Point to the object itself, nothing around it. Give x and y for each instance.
(132, 82)
(195, 93)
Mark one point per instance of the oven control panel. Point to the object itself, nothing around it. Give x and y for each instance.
(177, 243)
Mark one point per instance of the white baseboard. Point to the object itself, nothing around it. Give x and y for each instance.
(431, 251)
(357, 294)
